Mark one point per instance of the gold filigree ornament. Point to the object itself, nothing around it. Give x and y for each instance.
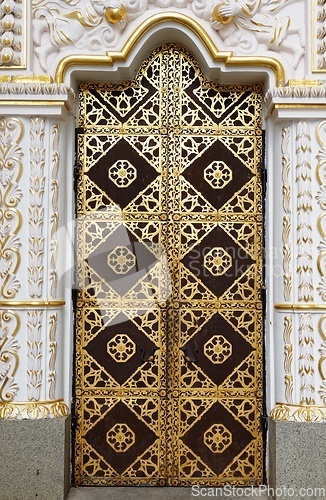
(217, 261)
(218, 174)
(218, 349)
(122, 173)
(121, 260)
(299, 413)
(120, 437)
(121, 348)
(33, 410)
(217, 438)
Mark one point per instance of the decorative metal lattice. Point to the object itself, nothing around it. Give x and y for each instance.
(170, 164)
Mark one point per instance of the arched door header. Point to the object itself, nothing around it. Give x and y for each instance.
(176, 21)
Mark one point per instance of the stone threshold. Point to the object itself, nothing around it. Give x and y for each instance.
(164, 493)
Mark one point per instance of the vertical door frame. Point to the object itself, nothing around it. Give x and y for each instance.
(259, 70)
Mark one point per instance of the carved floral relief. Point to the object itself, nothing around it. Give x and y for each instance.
(304, 209)
(36, 208)
(11, 134)
(321, 261)
(9, 326)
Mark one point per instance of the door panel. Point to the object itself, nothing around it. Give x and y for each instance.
(169, 317)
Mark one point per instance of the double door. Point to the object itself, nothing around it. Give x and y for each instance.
(169, 271)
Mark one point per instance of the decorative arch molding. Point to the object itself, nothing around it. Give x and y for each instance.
(151, 32)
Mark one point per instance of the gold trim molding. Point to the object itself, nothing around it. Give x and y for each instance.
(298, 413)
(26, 79)
(300, 307)
(308, 83)
(27, 304)
(226, 58)
(33, 410)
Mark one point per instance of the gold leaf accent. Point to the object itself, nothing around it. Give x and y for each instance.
(34, 410)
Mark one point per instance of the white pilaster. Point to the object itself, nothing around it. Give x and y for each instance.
(295, 271)
(36, 198)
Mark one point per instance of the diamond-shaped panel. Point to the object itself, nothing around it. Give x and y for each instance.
(97, 348)
(112, 260)
(201, 342)
(121, 153)
(204, 441)
(118, 453)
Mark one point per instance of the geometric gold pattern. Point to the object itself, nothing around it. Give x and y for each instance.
(122, 173)
(169, 363)
(121, 260)
(120, 437)
(218, 174)
(217, 438)
(218, 349)
(217, 261)
(121, 348)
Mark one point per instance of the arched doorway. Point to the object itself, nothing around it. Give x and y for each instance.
(169, 314)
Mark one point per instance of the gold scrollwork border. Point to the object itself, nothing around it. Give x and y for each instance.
(299, 413)
(33, 410)
(224, 57)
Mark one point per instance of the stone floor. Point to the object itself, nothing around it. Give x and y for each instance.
(141, 493)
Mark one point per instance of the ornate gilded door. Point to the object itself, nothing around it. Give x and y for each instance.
(169, 314)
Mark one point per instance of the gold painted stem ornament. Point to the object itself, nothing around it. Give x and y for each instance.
(115, 15)
(217, 16)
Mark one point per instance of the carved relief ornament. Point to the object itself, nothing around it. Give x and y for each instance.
(12, 33)
(319, 34)
(11, 134)
(321, 260)
(12, 88)
(245, 27)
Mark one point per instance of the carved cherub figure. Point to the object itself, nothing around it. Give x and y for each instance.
(67, 25)
(256, 16)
